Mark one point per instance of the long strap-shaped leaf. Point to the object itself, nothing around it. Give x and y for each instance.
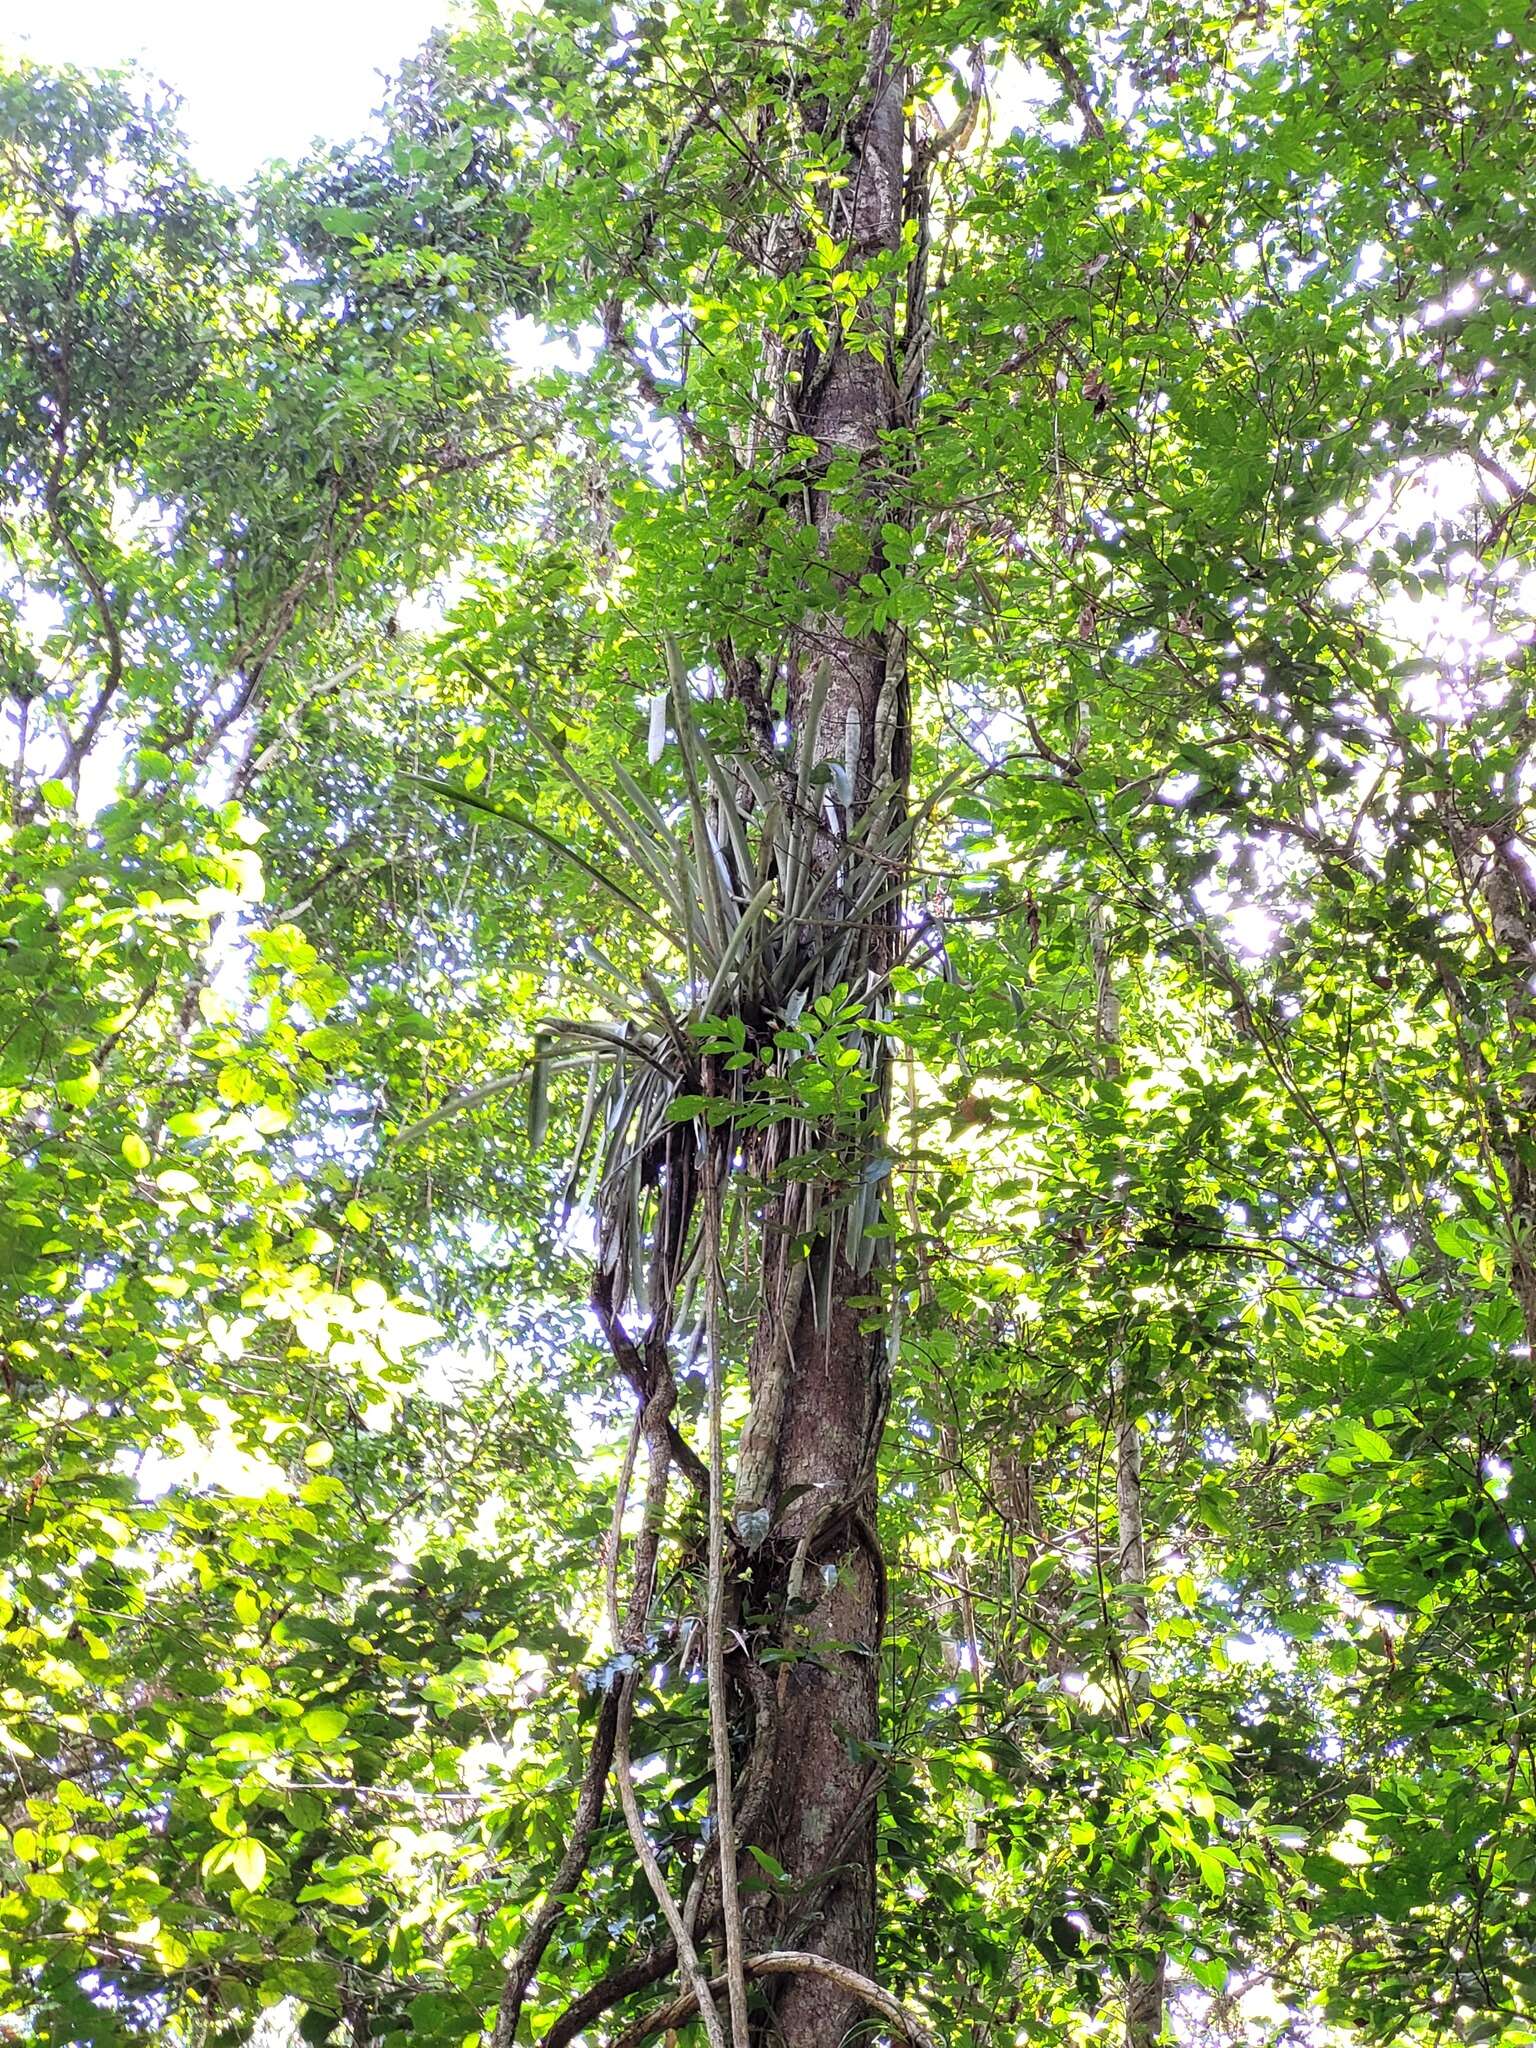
(805, 823)
(666, 1016)
(730, 811)
(755, 911)
(642, 849)
(473, 801)
(714, 892)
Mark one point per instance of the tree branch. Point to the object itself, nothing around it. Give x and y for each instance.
(635, 1975)
(1077, 91)
(790, 1963)
(589, 1809)
(668, 402)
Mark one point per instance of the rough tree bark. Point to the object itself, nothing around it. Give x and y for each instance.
(829, 1411)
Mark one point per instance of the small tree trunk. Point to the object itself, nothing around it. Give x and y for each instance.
(1144, 1995)
(1497, 874)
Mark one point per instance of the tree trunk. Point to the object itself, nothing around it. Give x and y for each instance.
(826, 1416)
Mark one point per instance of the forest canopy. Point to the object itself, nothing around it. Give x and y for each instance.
(768, 1038)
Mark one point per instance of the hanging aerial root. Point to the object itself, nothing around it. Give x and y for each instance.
(700, 1994)
(653, 1426)
(719, 1705)
(628, 1633)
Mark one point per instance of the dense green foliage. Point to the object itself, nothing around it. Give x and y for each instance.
(1210, 1050)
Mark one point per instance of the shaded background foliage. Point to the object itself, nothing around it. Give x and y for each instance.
(1213, 1114)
